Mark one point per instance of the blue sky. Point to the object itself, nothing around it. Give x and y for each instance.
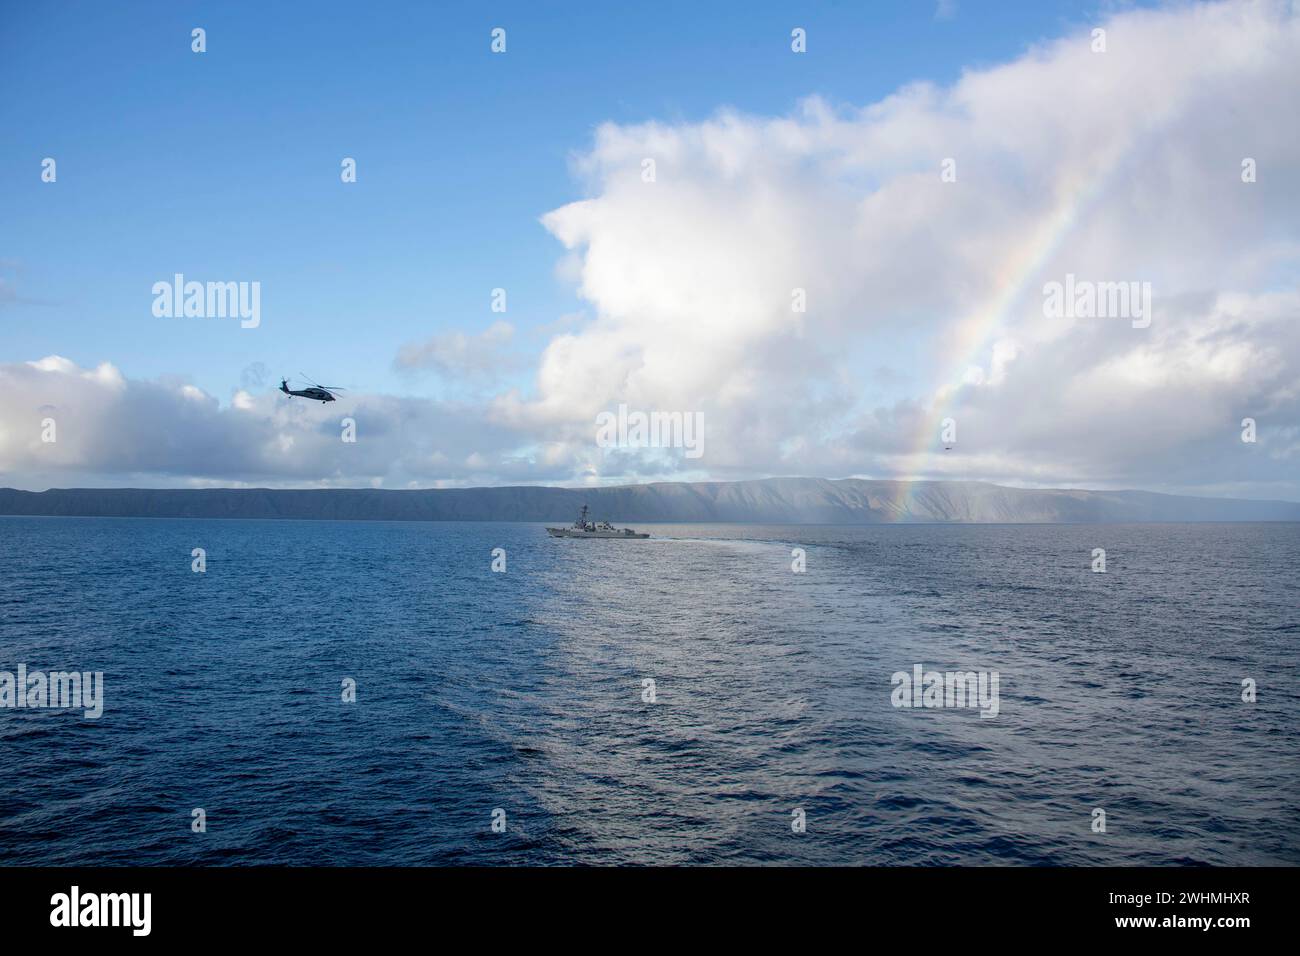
(226, 165)
(777, 171)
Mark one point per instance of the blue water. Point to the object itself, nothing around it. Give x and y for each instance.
(522, 691)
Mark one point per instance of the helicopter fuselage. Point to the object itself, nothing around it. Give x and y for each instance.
(316, 394)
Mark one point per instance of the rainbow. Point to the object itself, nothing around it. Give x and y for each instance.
(975, 334)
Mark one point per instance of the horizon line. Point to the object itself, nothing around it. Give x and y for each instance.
(644, 484)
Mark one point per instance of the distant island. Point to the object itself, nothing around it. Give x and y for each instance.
(762, 501)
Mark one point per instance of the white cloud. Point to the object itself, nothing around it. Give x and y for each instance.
(112, 430)
(1116, 167)
(1119, 166)
(457, 355)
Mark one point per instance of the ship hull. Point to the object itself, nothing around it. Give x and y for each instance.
(573, 533)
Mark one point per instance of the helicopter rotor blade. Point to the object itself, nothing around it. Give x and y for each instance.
(315, 384)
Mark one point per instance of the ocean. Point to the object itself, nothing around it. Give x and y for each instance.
(508, 717)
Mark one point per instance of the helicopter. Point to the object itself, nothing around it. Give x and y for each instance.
(319, 393)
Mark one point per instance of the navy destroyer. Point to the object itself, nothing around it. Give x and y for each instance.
(582, 528)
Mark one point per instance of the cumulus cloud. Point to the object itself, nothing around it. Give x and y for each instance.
(923, 296)
(112, 430)
(457, 355)
(1117, 166)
